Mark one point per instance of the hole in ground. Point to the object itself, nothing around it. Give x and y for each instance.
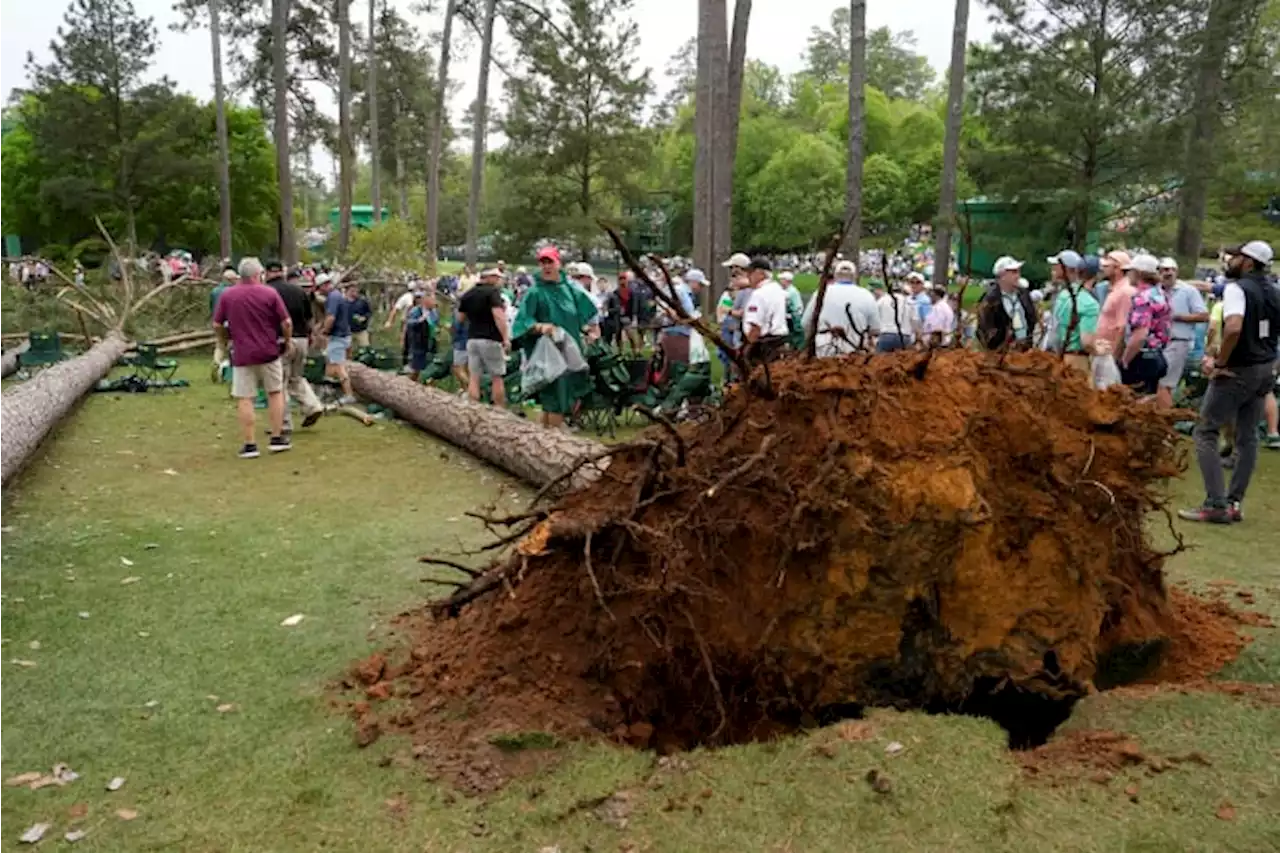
(689, 718)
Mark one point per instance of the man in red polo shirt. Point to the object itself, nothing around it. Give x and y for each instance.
(253, 316)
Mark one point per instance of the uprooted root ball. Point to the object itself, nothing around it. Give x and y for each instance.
(953, 531)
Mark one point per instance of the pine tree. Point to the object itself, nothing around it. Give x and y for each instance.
(575, 136)
(105, 46)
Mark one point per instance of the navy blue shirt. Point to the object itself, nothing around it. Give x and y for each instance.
(337, 307)
(361, 311)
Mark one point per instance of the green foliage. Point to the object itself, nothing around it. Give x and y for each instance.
(883, 193)
(902, 140)
(893, 64)
(798, 195)
(392, 244)
(90, 139)
(1077, 109)
(576, 146)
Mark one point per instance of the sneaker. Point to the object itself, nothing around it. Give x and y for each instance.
(346, 401)
(1234, 512)
(249, 451)
(1207, 513)
(1271, 442)
(279, 443)
(310, 420)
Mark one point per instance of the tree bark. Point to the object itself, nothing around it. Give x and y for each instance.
(375, 160)
(721, 183)
(857, 123)
(524, 449)
(345, 153)
(34, 408)
(437, 141)
(224, 151)
(704, 141)
(1206, 115)
(11, 355)
(402, 184)
(727, 115)
(280, 107)
(951, 145)
(478, 129)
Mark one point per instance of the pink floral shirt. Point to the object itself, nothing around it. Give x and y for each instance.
(1151, 311)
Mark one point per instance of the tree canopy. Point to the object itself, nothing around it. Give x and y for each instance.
(148, 169)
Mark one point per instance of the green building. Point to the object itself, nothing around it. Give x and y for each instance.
(361, 216)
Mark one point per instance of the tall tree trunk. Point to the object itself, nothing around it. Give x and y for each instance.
(721, 184)
(375, 152)
(857, 123)
(951, 145)
(479, 122)
(1206, 115)
(280, 108)
(727, 114)
(402, 183)
(345, 176)
(224, 151)
(704, 138)
(31, 410)
(437, 141)
(518, 446)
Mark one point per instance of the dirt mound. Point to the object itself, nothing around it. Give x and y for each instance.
(1204, 636)
(954, 531)
(1098, 754)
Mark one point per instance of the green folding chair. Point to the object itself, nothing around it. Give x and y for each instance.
(156, 369)
(45, 349)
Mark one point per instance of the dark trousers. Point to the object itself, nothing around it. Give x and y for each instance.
(1236, 399)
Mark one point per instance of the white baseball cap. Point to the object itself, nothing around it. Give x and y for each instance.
(914, 276)
(583, 268)
(490, 271)
(1168, 263)
(1256, 250)
(785, 276)
(737, 259)
(1144, 263)
(696, 275)
(1005, 263)
(845, 268)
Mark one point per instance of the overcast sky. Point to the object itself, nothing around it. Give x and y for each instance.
(778, 31)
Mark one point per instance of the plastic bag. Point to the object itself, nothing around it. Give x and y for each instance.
(544, 366)
(1105, 371)
(573, 360)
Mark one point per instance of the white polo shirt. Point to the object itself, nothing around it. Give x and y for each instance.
(767, 310)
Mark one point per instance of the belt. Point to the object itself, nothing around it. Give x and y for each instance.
(1182, 340)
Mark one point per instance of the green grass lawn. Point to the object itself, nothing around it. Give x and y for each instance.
(224, 549)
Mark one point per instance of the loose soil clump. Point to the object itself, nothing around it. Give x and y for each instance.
(952, 531)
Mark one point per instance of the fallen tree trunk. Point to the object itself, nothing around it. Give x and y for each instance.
(33, 409)
(179, 337)
(522, 448)
(11, 358)
(187, 346)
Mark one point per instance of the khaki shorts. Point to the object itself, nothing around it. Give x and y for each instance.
(486, 358)
(360, 339)
(245, 380)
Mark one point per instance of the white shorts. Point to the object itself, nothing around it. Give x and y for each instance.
(1175, 355)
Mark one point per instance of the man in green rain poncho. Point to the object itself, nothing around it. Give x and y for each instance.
(554, 302)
